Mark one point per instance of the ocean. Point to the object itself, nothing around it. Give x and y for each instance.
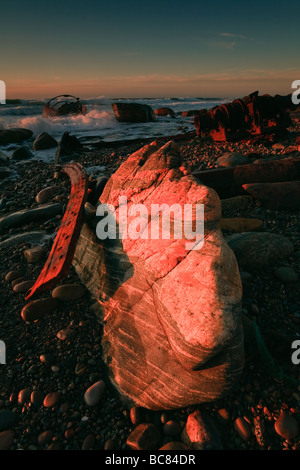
(100, 121)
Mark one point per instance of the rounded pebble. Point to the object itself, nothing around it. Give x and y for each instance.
(45, 437)
(37, 309)
(12, 275)
(94, 393)
(68, 292)
(23, 286)
(287, 426)
(6, 439)
(88, 442)
(242, 428)
(172, 428)
(24, 396)
(51, 399)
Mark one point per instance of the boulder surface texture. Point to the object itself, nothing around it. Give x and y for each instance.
(172, 331)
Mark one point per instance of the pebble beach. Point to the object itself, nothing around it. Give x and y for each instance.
(54, 388)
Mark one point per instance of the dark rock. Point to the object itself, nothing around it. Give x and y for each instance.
(14, 136)
(230, 159)
(5, 172)
(200, 433)
(67, 292)
(172, 428)
(243, 428)
(133, 112)
(144, 437)
(68, 147)
(286, 274)
(287, 426)
(276, 196)
(164, 111)
(6, 439)
(25, 216)
(97, 189)
(21, 153)
(44, 141)
(256, 250)
(192, 112)
(46, 194)
(37, 309)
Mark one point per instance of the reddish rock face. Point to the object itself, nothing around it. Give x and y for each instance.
(172, 315)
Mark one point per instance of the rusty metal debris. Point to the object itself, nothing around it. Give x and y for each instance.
(61, 254)
(251, 115)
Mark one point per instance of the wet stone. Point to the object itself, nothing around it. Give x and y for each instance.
(94, 393)
(144, 437)
(287, 426)
(51, 399)
(68, 292)
(243, 429)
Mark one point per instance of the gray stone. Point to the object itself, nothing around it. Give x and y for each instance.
(26, 216)
(286, 274)
(257, 250)
(232, 159)
(94, 393)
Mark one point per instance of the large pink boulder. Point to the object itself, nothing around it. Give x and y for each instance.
(171, 310)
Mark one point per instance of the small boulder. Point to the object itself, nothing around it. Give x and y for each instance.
(44, 141)
(230, 159)
(21, 153)
(14, 136)
(286, 274)
(256, 250)
(145, 436)
(46, 194)
(68, 147)
(200, 433)
(35, 254)
(164, 111)
(287, 426)
(6, 439)
(37, 309)
(133, 112)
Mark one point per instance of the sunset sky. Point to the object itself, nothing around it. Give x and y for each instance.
(157, 48)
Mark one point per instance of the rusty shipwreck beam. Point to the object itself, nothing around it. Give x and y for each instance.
(228, 182)
(60, 257)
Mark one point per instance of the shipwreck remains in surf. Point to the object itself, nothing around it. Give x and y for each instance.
(63, 105)
(251, 115)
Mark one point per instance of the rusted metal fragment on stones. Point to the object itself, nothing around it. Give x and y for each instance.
(251, 115)
(61, 254)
